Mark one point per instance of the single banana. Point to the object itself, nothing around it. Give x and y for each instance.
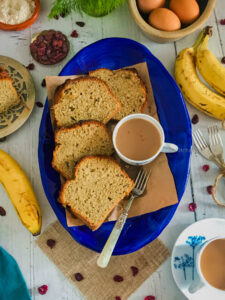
(20, 192)
(208, 65)
(193, 89)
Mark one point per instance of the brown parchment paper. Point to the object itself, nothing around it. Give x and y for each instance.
(161, 190)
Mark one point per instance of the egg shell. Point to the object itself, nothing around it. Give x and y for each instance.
(186, 10)
(146, 6)
(164, 19)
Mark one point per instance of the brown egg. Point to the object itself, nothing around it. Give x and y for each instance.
(186, 10)
(164, 19)
(146, 6)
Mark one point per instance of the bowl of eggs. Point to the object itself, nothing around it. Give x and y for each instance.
(166, 21)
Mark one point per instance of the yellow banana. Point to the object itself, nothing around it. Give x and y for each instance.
(20, 192)
(209, 67)
(193, 90)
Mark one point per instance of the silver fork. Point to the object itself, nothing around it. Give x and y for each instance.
(138, 190)
(215, 142)
(203, 147)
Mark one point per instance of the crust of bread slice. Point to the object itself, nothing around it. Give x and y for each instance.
(93, 226)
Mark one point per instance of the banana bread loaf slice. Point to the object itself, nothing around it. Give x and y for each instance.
(88, 138)
(127, 86)
(99, 185)
(8, 94)
(84, 98)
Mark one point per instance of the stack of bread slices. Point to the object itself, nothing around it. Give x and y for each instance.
(82, 107)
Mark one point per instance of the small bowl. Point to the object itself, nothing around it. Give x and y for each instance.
(24, 25)
(160, 36)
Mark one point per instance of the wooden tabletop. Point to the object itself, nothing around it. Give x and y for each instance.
(23, 146)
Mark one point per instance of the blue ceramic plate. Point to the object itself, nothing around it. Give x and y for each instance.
(114, 53)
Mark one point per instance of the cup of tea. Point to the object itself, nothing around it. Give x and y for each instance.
(139, 138)
(210, 265)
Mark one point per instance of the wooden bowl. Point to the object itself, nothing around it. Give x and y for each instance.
(25, 24)
(160, 36)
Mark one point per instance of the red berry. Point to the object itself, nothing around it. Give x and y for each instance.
(56, 17)
(134, 270)
(222, 21)
(205, 168)
(30, 67)
(118, 278)
(150, 298)
(74, 34)
(51, 243)
(43, 83)
(81, 24)
(192, 206)
(43, 289)
(195, 119)
(57, 43)
(117, 298)
(2, 211)
(62, 15)
(223, 60)
(78, 276)
(39, 104)
(209, 189)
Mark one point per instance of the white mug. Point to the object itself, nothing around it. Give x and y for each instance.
(165, 147)
(201, 281)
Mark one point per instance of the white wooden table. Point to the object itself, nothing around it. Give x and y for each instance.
(23, 146)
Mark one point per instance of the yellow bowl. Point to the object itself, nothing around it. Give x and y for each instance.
(160, 36)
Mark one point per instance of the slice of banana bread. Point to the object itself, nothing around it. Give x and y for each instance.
(88, 138)
(127, 86)
(8, 94)
(84, 98)
(99, 185)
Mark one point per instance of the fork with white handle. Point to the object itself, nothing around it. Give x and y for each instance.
(215, 143)
(202, 146)
(138, 190)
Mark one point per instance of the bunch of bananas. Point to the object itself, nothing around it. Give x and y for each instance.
(193, 89)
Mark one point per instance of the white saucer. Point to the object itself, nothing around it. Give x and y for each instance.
(182, 256)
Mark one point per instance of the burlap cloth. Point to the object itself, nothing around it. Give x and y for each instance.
(71, 258)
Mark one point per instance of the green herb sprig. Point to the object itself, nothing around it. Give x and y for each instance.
(95, 8)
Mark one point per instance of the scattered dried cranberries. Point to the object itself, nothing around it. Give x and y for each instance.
(117, 298)
(81, 24)
(78, 276)
(51, 243)
(43, 289)
(118, 278)
(223, 60)
(30, 67)
(50, 47)
(195, 119)
(150, 298)
(192, 206)
(39, 104)
(2, 211)
(209, 189)
(205, 168)
(134, 270)
(74, 34)
(43, 83)
(222, 21)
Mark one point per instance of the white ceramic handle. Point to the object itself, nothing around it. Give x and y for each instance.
(195, 286)
(169, 148)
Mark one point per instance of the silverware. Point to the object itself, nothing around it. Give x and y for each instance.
(138, 190)
(215, 142)
(203, 147)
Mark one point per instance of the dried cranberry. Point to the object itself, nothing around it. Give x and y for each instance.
(2, 211)
(43, 83)
(57, 43)
(74, 34)
(134, 270)
(30, 67)
(209, 189)
(192, 206)
(222, 21)
(205, 168)
(78, 276)
(117, 298)
(81, 24)
(56, 17)
(150, 298)
(51, 243)
(118, 278)
(39, 104)
(43, 289)
(41, 51)
(223, 60)
(195, 119)
(62, 15)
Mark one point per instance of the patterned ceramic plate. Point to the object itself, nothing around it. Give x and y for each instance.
(183, 256)
(23, 83)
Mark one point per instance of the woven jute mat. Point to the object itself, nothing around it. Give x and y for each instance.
(72, 258)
